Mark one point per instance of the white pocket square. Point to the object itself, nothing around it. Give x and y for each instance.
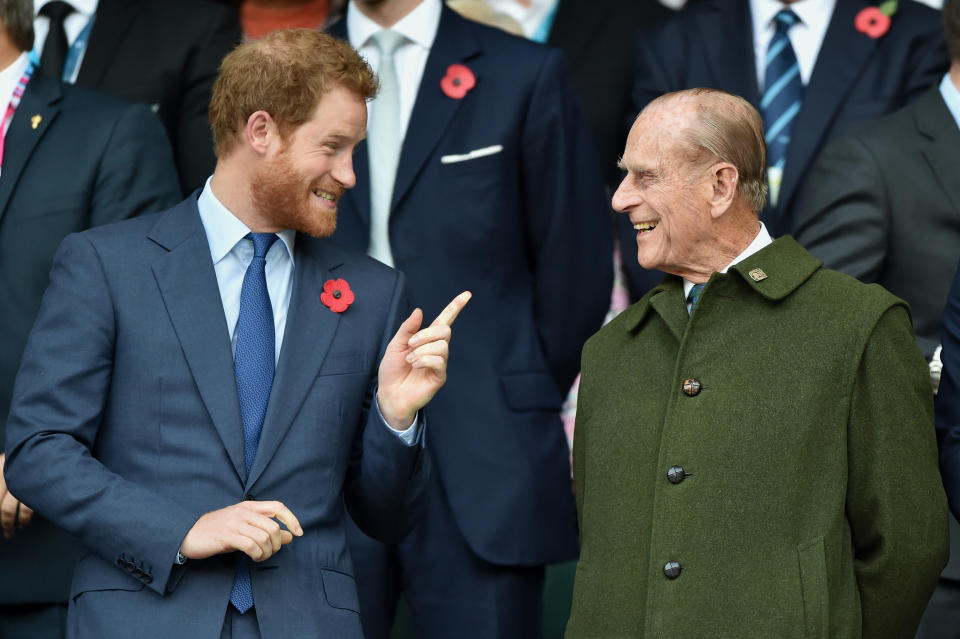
(472, 155)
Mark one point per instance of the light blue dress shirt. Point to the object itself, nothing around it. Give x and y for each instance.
(232, 255)
(951, 96)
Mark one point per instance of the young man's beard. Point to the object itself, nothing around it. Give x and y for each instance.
(281, 193)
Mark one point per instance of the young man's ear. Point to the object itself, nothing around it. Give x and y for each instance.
(261, 131)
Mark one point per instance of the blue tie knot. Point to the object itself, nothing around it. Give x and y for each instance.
(262, 243)
(785, 19)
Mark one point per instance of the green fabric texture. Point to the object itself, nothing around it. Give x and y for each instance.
(813, 506)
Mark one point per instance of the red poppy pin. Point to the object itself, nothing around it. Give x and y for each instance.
(875, 21)
(458, 81)
(336, 295)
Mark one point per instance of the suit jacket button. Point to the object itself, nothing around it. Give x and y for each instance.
(676, 474)
(147, 579)
(249, 498)
(121, 562)
(672, 569)
(691, 387)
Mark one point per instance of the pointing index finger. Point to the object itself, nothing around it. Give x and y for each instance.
(449, 314)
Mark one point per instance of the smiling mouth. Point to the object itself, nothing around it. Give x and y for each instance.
(323, 195)
(645, 227)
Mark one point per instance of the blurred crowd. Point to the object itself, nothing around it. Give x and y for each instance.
(490, 163)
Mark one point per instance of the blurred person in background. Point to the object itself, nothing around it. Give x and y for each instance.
(478, 171)
(71, 159)
(163, 53)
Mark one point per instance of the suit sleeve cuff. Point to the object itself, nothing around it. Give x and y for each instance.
(410, 436)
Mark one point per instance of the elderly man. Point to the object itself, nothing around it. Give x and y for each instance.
(207, 390)
(754, 452)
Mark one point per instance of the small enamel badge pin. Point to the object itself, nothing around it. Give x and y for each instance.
(757, 274)
(35, 121)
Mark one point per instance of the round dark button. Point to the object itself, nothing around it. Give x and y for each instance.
(691, 387)
(337, 295)
(121, 562)
(672, 569)
(147, 579)
(676, 474)
(249, 498)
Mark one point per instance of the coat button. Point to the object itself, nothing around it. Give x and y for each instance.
(691, 387)
(676, 474)
(672, 569)
(147, 579)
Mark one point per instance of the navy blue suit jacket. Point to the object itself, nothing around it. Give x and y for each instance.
(90, 160)
(125, 428)
(855, 78)
(527, 231)
(948, 399)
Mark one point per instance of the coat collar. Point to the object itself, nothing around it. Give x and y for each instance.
(785, 266)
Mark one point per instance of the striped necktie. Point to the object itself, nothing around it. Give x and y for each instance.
(782, 98)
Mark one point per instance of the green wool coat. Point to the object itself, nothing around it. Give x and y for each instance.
(812, 505)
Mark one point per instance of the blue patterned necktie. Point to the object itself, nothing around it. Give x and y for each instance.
(694, 295)
(253, 366)
(782, 98)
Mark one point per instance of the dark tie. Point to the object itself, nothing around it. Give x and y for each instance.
(253, 366)
(782, 97)
(55, 47)
(694, 295)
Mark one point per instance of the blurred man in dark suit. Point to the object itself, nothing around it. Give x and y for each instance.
(478, 172)
(812, 68)
(162, 53)
(72, 159)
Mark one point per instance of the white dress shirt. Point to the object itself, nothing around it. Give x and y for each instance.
(419, 27)
(9, 79)
(73, 24)
(806, 36)
(232, 254)
(762, 240)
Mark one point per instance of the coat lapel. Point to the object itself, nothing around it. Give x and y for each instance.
(310, 330)
(842, 56)
(730, 47)
(189, 288)
(112, 20)
(40, 98)
(433, 110)
(935, 122)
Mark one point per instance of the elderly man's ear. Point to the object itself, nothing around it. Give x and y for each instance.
(724, 178)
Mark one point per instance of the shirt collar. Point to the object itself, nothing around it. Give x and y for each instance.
(814, 14)
(761, 241)
(86, 8)
(419, 26)
(951, 95)
(224, 229)
(10, 77)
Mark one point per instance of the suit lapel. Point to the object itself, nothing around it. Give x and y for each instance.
(935, 122)
(113, 17)
(41, 97)
(432, 111)
(730, 47)
(310, 330)
(189, 288)
(842, 56)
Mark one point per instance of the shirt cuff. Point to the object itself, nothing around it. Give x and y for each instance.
(410, 436)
